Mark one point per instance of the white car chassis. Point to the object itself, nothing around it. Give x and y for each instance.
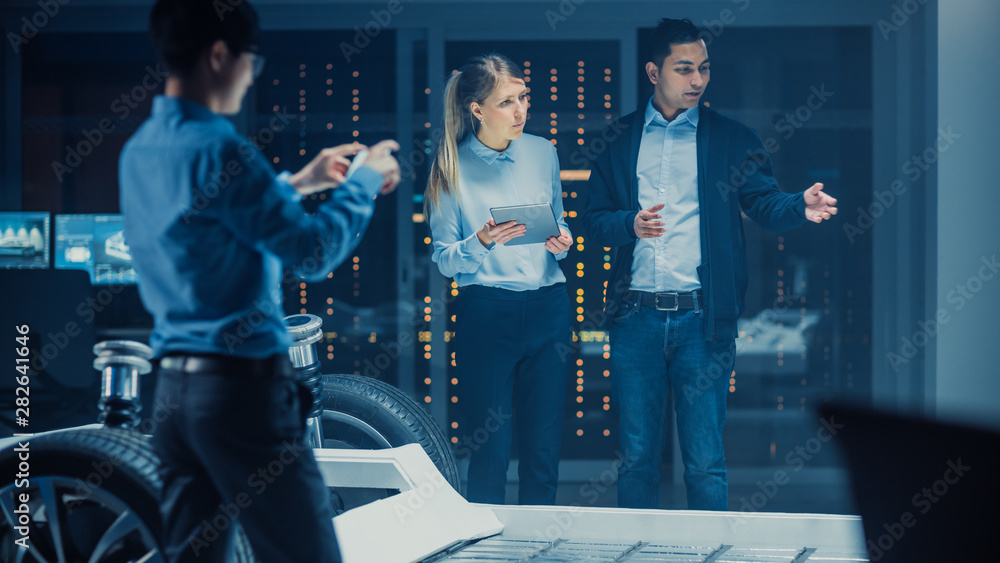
(429, 521)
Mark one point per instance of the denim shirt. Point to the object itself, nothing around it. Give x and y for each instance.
(667, 170)
(526, 172)
(211, 227)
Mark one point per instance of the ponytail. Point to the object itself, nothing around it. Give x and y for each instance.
(444, 170)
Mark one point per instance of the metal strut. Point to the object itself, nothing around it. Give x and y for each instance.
(306, 331)
(121, 362)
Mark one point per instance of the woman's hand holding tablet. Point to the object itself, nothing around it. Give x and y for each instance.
(537, 219)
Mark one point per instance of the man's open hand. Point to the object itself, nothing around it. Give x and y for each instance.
(819, 206)
(646, 224)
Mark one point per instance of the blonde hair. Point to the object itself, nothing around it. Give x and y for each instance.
(474, 82)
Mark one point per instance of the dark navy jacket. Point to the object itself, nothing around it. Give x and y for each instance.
(734, 176)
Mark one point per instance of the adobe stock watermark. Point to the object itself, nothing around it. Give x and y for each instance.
(899, 15)
(594, 321)
(928, 329)
(32, 25)
(223, 7)
(723, 362)
(104, 469)
(772, 315)
(787, 126)
(54, 343)
(564, 9)
(795, 460)
(721, 368)
(391, 350)
(122, 108)
(711, 29)
(423, 150)
(364, 35)
(471, 442)
(325, 257)
(247, 150)
(583, 157)
(257, 482)
(922, 502)
(591, 492)
(260, 312)
(432, 483)
(793, 121)
(914, 168)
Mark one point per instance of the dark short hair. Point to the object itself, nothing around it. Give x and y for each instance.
(670, 32)
(182, 29)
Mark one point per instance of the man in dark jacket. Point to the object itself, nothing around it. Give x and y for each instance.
(667, 197)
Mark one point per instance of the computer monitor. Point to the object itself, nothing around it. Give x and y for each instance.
(24, 239)
(96, 244)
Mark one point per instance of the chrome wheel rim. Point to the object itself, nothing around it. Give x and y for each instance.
(333, 419)
(59, 514)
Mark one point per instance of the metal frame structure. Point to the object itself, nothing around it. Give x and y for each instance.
(429, 521)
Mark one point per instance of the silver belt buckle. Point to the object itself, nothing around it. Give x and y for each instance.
(656, 302)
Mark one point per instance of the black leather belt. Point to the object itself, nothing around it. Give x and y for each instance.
(273, 366)
(691, 300)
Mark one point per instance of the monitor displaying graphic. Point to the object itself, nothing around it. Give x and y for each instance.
(24, 239)
(96, 244)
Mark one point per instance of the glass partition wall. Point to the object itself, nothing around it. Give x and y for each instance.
(806, 333)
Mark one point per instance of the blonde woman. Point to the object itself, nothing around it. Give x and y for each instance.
(512, 329)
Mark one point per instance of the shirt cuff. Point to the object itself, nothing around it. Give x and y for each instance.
(286, 188)
(800, 206)
(475, 248)
(365, 180)
(562, 255)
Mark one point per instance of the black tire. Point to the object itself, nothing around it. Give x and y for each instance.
(99, 476)
(365, 413)
(80, 483)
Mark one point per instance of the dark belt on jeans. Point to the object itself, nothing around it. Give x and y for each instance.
(690, 301)
(272, 366)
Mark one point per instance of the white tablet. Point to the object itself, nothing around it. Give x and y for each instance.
(357, 162)
(538, 218)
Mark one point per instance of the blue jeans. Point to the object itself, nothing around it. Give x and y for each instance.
(654, 352)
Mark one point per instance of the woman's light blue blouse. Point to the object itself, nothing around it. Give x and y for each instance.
(527, 172)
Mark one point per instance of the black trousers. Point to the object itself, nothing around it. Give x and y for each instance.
(231, 450)
(512, 351)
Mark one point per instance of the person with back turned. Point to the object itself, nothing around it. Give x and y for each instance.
(668, 197)
(210, 228)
